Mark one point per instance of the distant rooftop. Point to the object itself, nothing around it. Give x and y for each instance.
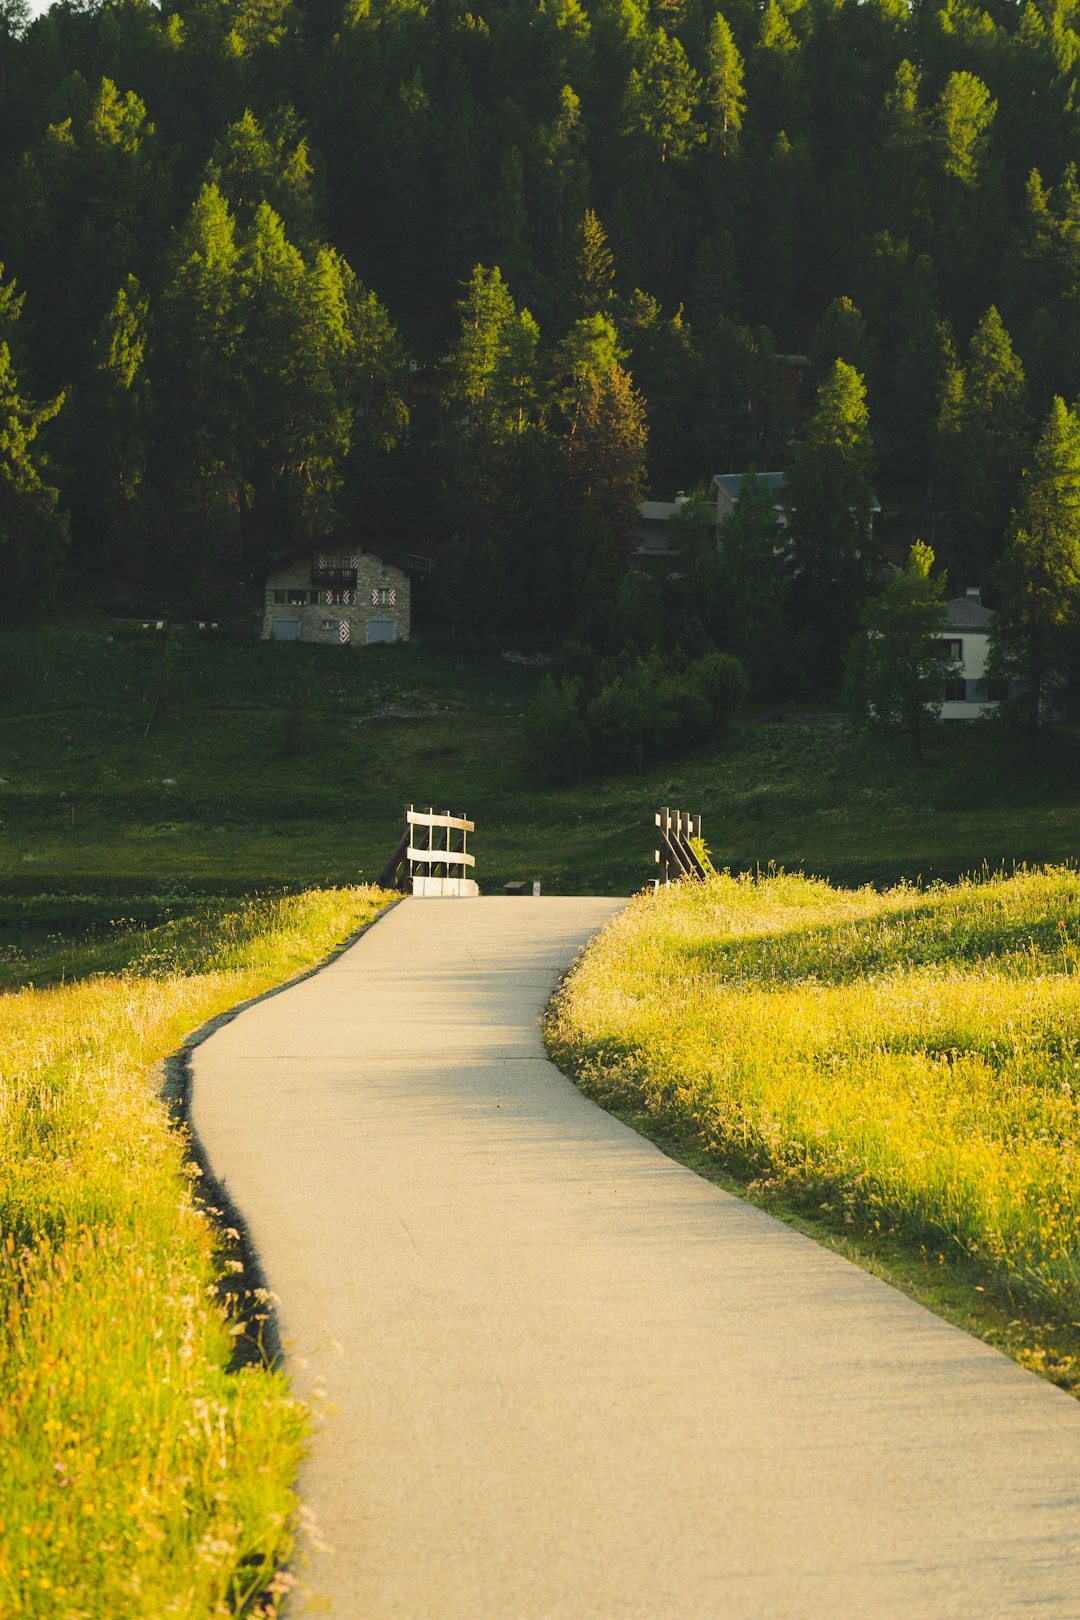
(968, 613)
(730, 483)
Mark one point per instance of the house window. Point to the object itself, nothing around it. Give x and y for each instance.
(956, 691)
(279, 597)
(997, 691)
(384, 596)
(339, 598)
(327, 624)
(297, 598)
(313, 597)
(953, 651)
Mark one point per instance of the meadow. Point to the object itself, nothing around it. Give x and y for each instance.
(148, 1447)
(904, 1063)
(138, 771)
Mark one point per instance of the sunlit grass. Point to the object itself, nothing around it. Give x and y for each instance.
(138, 1475)
(910, 1059)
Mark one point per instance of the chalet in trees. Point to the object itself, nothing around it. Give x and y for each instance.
(338, 594)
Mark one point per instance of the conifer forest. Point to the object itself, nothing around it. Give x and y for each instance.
(472, 278)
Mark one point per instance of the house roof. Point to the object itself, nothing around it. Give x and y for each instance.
(967, 613)
(730, 482)
(406, 560)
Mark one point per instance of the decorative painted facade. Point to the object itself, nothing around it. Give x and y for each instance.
(336, 595)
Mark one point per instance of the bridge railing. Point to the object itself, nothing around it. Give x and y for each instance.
(676, 856)
(432, 856)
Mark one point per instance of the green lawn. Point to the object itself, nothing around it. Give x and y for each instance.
(266, 765)
(894, 1070)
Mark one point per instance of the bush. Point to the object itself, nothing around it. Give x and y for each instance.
(556, 736)
(635, 716)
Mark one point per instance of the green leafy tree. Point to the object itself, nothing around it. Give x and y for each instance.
(556, 736)
(635, 716)
(752, 585)
(1039, 574)
(896, 671)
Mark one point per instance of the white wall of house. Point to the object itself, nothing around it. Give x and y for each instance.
(966, 642)
(969, 649)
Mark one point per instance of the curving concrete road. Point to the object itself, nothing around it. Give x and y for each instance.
(568, 1380)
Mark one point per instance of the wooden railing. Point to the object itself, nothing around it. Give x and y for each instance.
(432, 857)
(676, 856)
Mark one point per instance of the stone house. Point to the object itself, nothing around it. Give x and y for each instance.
(338, 594)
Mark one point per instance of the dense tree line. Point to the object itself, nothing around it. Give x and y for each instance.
(595, 231)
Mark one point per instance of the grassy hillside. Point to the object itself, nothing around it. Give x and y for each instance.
(898, 1068)
(132, 765)
(139, 1474)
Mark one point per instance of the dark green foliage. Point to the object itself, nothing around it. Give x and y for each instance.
(1039, 574)
(237, 223)
(556, 736)
(896, 672)
(639, 711)
(829, 500)
(33, 529)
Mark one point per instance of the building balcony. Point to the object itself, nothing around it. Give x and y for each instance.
(340, 578)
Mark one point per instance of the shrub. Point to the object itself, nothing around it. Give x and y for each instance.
(556, 736)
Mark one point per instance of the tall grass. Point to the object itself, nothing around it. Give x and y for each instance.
(911, 1057)
(138, 1475)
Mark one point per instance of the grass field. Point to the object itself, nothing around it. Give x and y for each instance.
(142, 1471)
(273, 764)
(904, 1064)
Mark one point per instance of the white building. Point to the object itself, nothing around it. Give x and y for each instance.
(966, 642)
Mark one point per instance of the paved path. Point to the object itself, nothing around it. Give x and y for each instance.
(575, 1382)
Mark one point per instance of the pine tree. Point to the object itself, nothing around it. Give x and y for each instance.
(111, 427)
(829, 499)
(840, 335)
(725, 95)
(662, 98)
(33, 530)
(982, 438)
(486, 311)
(252, 164)
(591, 279)
(605, 456)
(206, 417)
(1039, 574)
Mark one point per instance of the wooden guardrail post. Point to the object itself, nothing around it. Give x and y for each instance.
(432, 856)
(676, 856)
